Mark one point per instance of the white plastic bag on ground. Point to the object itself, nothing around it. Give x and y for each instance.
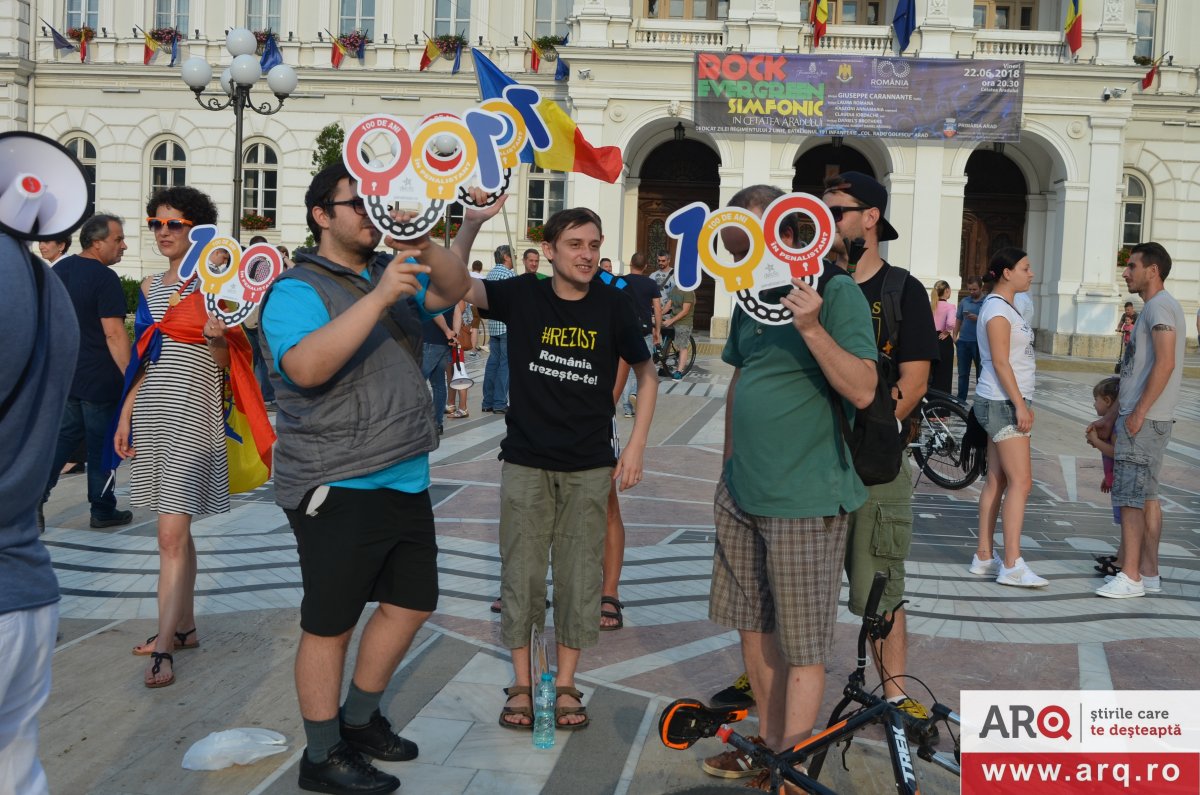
(233, 747)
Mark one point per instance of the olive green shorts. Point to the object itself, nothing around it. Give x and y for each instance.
(880, 536)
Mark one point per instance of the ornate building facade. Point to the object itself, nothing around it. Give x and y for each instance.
(1100, 162)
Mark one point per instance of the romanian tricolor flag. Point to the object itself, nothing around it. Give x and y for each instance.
(150, 49)
(535, 60)
(431, 52)
(1073, 28)
(569, 150)
(1148, 80)
(248, 432)
(818, 15)
(337, 54)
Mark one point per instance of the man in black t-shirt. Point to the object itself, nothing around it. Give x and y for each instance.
(647, 302)
(566, 335)
(881, 530)
(104, 348)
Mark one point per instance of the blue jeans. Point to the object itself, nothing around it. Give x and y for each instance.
(88, 422)
(495, 374)
(968, 352)
(260, 365)
(433, 367)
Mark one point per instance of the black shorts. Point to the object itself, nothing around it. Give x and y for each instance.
(364, 546)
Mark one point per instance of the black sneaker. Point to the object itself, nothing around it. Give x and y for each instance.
(377, 739)
(117, 519)
(738, 695)
(345, 772)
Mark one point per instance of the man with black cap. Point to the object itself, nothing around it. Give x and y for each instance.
(881, 530)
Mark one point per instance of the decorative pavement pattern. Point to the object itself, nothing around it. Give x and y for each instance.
(248, 567)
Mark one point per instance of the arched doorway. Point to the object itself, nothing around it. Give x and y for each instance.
(824, 161)
(993, 210)
(676, 174)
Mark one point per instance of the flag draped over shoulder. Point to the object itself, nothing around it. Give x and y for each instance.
(271, 56)
(904, 23)
(337, 54)
(1073, 27)
(431, 52)
(818, 15)
(248, 432)
(150, 49)
(569, 150)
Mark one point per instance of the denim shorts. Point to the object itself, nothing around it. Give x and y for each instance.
(1138, 459)
(998, 418)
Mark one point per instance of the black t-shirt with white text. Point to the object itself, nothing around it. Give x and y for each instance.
(562, 362)
(918, 337)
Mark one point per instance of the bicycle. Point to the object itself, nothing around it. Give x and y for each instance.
(686, 721)
(939, 449)
(666, 355)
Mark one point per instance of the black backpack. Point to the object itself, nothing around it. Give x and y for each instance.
(876, 442)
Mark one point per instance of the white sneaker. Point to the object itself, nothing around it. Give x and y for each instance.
(1020, 576)
(1150, 584)
(1122, 587)
(986, 568)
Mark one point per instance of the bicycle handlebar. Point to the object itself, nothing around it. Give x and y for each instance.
(875, 595)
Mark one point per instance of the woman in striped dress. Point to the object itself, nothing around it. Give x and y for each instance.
(173, 431)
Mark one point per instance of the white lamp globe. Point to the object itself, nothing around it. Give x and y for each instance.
(240, 42)
(282, 80)
(227, 82)
(245, 70)
(196, 73)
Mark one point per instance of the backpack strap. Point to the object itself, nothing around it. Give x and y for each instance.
(893, 315)
(829, 273)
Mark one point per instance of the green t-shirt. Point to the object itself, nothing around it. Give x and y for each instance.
(678, 299)
(786, 461)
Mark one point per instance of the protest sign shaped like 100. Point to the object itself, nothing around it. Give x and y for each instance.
(770, 260)
(254, 268)
(446, 154)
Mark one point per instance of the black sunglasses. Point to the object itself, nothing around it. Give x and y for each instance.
(173, 224)
(357, 204)
(838, 212)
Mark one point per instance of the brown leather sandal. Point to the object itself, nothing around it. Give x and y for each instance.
(527, 712)
(562, 712)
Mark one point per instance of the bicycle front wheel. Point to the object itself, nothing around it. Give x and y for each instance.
(691, 359)
(939, 450)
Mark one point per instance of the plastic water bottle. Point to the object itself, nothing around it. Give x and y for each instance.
(543, 713)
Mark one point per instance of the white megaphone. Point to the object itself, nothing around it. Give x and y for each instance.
(44, 192)
(459, 378)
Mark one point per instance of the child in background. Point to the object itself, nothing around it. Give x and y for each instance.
(1104, 394)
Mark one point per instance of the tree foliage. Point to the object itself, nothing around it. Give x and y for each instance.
(329, 147)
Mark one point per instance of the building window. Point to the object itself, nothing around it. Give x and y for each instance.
(451, 17)
(357, 15)
(83, 12)
(547, 195)
(851, 12)
(168, 166)
(263, 15)
(550, 17)
(1145, 28)
(171, 14)
(1133, 212)
(85, 153)
(687, 9)
(260, 182)
(1005, 14)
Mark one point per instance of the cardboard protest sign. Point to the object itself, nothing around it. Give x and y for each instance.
(232, 279)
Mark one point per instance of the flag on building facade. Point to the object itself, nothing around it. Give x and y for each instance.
(563, 70)
(818, 15)
(569, 150)
(1073, 28)
(431, 52)
(61, 42)
(535, 61)
(337, 54)
(271, 56)
(361, 54)
(174, 49)
(150, 49)
(904, 23)
(1148, 80)
(457, 60)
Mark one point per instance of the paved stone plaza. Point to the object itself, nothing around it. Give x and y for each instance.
(104, 733)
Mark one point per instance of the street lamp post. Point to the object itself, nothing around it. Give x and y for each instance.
(237, 80)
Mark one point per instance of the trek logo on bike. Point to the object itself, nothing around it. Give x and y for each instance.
(1096, 741)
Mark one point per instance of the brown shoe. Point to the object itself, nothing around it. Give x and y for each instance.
(762, 782)
(733, 763)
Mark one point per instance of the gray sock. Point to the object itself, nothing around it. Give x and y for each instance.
(360, 705)
(322, 736)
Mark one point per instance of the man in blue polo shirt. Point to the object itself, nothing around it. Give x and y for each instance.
(99, 303)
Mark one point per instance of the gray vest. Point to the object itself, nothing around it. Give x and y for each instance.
(374, 412)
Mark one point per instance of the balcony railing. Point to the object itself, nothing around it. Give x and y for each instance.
(680, 35)
(1046, 46)
(856, 39)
